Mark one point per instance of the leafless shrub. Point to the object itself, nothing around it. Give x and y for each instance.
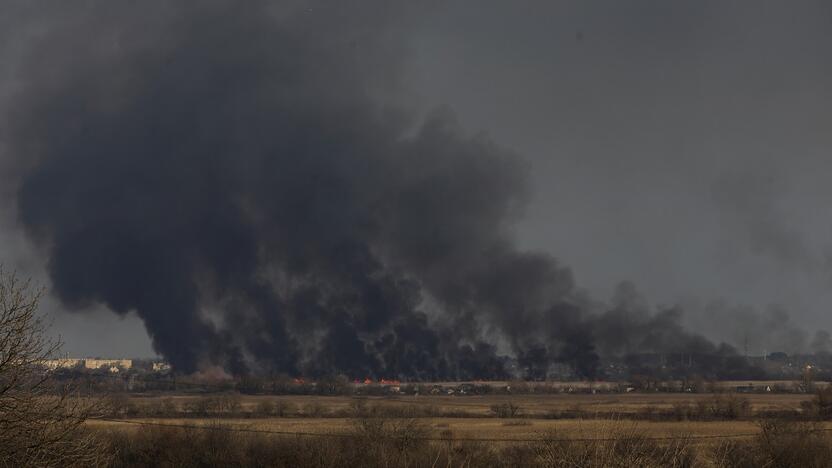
(781, 443)
(394, 440)
(265, 407)
(211, 445)
(821, 406)
(390, 442)
(223, 405)
(314, 409)
(358, 408)
(197, 406)
(230, 404)
(37, 426)
(283, 408)
(683, 411)
(619, 447)
(731, 407)
(505, 410)
(167, 407)
(119, 405)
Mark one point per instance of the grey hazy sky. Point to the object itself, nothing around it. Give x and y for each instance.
(680, 145)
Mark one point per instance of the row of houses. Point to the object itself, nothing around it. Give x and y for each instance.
(112, 365)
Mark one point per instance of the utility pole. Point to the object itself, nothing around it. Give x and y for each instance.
(746, 345)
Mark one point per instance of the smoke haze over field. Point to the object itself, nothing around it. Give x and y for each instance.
(299, 186)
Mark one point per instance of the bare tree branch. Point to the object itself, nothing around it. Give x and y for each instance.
(41, 425)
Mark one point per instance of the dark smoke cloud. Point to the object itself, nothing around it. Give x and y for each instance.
(246, 180)
(757, 330)
(631, 326)
(234, 175)
(751, 202)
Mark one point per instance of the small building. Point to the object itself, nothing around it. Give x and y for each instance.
(108, 363)
(160, 367)
(67, 363)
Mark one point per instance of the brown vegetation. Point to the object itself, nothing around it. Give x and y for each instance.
(39, 425)
(783, 444)
(385, 442)
(716, 431)
(47, 425)
(649, 407)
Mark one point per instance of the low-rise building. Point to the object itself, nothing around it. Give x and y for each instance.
(66, 363)
(109, 363)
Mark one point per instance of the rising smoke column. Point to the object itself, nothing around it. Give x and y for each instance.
(246, 180)
(237, 177)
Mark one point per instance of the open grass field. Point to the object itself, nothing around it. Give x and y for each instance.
(472, 417)
(531, 406)
(461, 428)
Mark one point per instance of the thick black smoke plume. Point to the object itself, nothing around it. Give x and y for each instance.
(237, 175)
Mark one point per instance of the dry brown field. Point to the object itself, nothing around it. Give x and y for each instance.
(468, 428)
(539, 405)
(471, 429)
(472, 418)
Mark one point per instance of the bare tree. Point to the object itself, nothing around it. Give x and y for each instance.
(41, 423)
